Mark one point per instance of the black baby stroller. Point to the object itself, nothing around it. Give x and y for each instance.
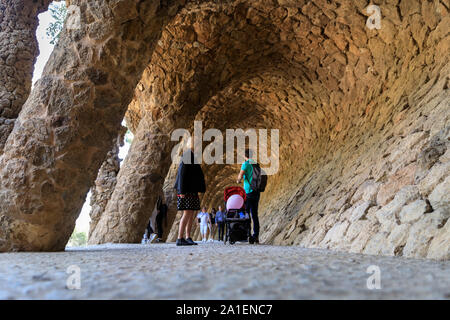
(237, 221)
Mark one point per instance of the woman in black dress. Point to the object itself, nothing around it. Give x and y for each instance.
(189, 183)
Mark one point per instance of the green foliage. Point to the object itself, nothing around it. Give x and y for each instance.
(58, 12)
(77, 239)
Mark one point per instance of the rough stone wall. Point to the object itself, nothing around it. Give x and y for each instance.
(105, 182)
(173, 234)
(18, 52)
(385, 192)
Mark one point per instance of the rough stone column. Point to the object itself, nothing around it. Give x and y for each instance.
(143, 172)
(106, 181)
(72, 118)
(170, 196)
(18, 52)
(173, 234)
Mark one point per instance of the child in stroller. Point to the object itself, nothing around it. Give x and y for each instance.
(237, 220)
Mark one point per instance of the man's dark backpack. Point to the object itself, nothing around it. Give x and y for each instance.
(259, 179)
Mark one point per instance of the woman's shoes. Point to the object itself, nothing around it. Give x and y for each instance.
(185, 242)
(182, 242)
(191, 242)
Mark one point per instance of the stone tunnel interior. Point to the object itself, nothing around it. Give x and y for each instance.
(363, 117)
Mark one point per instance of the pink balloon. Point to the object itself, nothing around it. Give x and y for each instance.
(235, 202)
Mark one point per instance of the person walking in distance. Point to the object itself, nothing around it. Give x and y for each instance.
(212, 219)
(205, 223)
(220, 222)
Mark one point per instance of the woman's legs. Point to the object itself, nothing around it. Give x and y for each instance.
(189, 223)
(184, 223)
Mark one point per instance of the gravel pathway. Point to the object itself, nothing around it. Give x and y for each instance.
(216, 271)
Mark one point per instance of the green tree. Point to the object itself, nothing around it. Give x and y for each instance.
(58, 13)
(77, 239)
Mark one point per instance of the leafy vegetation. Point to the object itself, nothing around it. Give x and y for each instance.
(77, 239)
(58, 12)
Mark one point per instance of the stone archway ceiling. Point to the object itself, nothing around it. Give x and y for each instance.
(206, 46)
(358, 110)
